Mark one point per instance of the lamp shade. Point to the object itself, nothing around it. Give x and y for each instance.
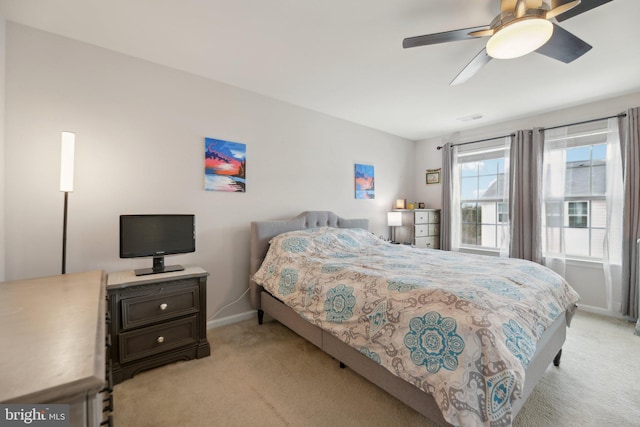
(519, 38)
(66, 161)
(394, 219)
(401, 203)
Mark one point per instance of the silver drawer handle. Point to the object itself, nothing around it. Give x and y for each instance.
(160, 339)
(163, 306)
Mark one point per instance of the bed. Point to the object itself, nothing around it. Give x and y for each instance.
(462, 339)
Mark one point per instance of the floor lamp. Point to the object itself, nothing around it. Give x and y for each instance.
(66, 185)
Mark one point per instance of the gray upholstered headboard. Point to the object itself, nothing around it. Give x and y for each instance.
(263, 231)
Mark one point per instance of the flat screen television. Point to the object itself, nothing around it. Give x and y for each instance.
(156, 236)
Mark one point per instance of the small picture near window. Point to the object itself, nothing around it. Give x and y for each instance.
(433, 176)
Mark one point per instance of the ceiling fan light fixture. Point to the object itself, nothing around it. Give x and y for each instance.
(520, 37)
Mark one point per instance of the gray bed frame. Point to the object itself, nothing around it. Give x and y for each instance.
(548, 349)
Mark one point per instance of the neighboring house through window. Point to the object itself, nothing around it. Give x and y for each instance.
(574, 205)
(575, 212)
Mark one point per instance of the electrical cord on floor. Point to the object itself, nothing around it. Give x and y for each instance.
(228, 305)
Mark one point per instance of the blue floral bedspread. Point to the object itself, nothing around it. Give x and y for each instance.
(460, 327)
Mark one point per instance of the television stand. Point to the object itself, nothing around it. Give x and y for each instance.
(158, 267)
(156, 319)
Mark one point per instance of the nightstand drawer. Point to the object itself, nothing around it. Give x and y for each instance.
(428, 242)
(427, 217)
(158, 339)
(421, 217)
(148, 309)
(424, 230)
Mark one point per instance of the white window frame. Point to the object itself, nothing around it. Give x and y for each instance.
(589, 138)
(497, 150)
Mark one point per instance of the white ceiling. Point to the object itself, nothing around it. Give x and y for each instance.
(345, 57)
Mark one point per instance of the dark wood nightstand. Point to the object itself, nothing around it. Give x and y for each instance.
(157, 319)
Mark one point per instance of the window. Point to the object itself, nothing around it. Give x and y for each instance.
(575, 219)
(484, 210)
(581, 166)
(578, 214)
(503, 213)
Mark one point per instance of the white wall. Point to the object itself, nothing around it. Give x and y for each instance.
(2, 133)
(140, 132)
(586, 278)
(428, 157)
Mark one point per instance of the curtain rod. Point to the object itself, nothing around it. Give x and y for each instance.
(440, 147)
(584, 122)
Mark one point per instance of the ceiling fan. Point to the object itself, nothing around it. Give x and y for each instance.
(523, 26)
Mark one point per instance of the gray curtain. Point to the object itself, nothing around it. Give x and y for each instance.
(630, 140)
(447, 189)
(525, 199)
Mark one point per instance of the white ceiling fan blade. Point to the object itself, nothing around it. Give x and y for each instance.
(479, 61)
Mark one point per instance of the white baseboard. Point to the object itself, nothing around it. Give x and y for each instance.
(212, 324)
(600, 311)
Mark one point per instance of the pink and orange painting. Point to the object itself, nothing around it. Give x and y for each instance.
(365, 182)
(224, 165)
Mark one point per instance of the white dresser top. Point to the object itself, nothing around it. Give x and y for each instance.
(52, 337)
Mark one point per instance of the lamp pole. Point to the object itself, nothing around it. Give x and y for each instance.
(64, 233)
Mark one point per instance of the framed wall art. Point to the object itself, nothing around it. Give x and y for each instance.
(364, 181)
(433, 176)
(224, 165)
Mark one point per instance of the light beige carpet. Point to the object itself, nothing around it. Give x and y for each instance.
(268, 376)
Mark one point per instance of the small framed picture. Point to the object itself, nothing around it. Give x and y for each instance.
(365, 181)
(433, 176)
